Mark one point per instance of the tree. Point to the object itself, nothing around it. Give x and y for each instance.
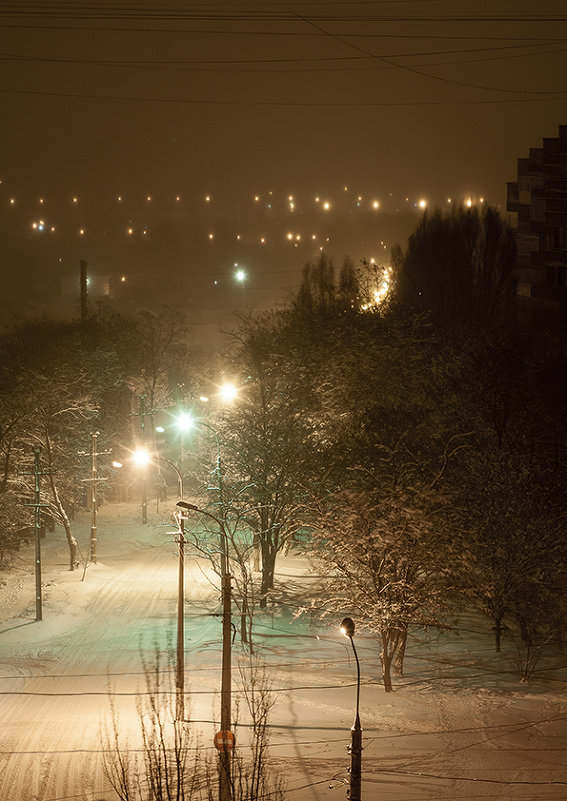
(459, 266)
(172, 763)
(60, 386)
(267, 437)
(382, 564)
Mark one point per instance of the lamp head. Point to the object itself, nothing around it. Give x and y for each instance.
(190, 507)
(228, 392)
(184, 422)
(347, 627)
(141, 457)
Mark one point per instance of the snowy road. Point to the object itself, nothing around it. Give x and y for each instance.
(458, 727)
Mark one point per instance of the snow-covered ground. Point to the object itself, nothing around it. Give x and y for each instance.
(460, 725)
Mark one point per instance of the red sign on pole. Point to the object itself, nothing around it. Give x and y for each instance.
(224, 741)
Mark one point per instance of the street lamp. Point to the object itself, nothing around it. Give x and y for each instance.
(355, 748)
(185, 422)
(142, 458)
(225, 790)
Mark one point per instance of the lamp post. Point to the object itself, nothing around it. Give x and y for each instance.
(185, 422)
(225, 788)
(355, 748)
(180, 669)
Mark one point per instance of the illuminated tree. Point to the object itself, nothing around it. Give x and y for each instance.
(382, 557)
(268, 438)
(60, 385)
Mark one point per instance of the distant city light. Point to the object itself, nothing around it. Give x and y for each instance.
(240, 275)
(468, 202)
(375, 204)
(148, 198)
(75, 200)
(207, 198)
(326, 205)
(123, 279)
(422, 203)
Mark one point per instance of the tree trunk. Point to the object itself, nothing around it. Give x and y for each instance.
(386, 659)
(268, 569)
(400, 652)
(71, 541)
(498, 633)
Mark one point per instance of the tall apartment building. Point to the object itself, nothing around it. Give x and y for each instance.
(539, 199)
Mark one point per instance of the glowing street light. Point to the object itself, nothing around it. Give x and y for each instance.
(240, 275)
(228, 392)
(355, 748)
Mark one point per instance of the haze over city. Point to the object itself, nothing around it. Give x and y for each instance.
(120, 122)
(283, 400)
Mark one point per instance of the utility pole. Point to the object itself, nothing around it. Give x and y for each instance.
(180, 672)
(94, 481)
(37, 472)
(224, 739)
(225, 787)
(142, 414)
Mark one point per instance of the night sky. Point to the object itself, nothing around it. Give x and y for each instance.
(392, 100)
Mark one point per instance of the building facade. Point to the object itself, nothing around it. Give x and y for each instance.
(539, 199)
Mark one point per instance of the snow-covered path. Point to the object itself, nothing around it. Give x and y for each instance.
(459, 726)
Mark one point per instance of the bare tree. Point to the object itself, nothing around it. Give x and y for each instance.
(173, 764)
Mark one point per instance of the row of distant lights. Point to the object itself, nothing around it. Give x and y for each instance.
(325, 204)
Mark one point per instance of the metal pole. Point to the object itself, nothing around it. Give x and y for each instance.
(355, 741)
(37, 504)
(94, 482)
(144, 476)
(225, 788)
(180, 678)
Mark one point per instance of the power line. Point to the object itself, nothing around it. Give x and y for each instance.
(558, 95)
(194, 63)
(414, 70)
